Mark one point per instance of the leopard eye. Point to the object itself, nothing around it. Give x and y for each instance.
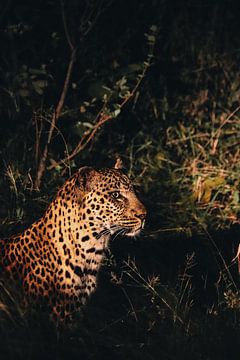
(115, 194)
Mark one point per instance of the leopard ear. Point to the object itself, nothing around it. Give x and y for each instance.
(118, 164)
(86, 178)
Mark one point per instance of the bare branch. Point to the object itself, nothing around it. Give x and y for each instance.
(101, 119)
(55, 117)
(89, 18)
(91, 15)
(69, 40)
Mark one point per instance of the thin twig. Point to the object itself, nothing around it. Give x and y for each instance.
(217, 134)
(101, 119)
(66, 27)
(55, 117)
(136, 276)
(57, 113)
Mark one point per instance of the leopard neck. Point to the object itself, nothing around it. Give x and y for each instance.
(65, 221)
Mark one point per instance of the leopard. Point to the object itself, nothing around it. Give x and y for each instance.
(56, 260)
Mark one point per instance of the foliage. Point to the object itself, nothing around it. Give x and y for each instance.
(81, 83)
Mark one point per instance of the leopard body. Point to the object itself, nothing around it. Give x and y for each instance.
(56, 260)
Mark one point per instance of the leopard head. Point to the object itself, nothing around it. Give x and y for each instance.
(107, 198)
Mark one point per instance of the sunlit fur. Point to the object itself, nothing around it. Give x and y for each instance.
(56, 260)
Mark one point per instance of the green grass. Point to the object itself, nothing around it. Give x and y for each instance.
(173, 293)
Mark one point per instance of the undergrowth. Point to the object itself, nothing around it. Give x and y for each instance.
(170, 86)
(132, 315)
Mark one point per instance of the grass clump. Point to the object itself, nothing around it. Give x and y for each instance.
(173, 293)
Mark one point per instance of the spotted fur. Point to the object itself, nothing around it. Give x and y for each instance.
(56, 260)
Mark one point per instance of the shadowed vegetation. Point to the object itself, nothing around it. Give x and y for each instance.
(158, 83)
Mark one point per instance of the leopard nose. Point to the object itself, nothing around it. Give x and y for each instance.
(141, 216)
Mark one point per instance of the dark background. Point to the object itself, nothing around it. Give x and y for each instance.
(174, 292)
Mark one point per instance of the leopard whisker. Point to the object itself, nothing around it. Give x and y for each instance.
(107, 231)
(122, 231)
(103, 233)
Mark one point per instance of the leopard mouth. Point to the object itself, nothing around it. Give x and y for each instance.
(132, 228)
(125, 228)
(134, 232)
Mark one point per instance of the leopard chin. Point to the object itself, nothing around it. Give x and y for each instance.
(134, 232)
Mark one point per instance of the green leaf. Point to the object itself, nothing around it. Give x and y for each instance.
(153, 28)
(151, 38)
(37, 71)
(23, 92)
(236, 197)
(116, 112)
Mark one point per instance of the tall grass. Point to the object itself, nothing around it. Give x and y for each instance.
(173, 293)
